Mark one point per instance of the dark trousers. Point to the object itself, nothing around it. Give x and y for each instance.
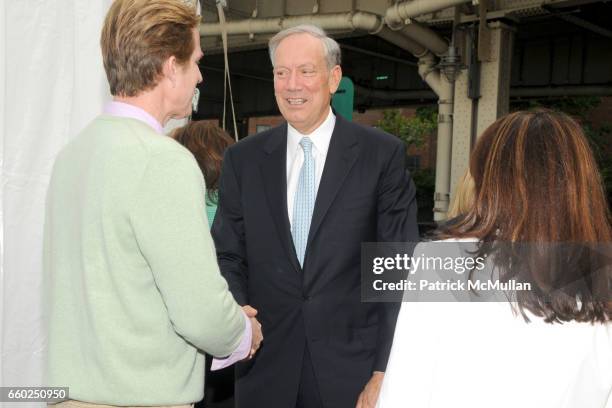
(308, 394)
(220, 384)
(219, 390)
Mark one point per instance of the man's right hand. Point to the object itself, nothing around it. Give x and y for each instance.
(257, 335)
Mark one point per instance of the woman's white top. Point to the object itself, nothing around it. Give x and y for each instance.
(455, 355)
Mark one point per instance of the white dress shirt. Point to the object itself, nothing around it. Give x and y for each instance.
(480, 355)
(320, 137)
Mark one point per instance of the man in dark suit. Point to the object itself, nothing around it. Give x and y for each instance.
(295, 204)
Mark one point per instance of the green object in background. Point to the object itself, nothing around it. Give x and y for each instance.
(342, 101)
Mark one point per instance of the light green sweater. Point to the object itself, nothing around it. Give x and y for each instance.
(134, 290)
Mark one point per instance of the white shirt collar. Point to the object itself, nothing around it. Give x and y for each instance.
(320, 137)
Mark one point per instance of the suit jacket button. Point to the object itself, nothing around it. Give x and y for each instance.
(307, 298)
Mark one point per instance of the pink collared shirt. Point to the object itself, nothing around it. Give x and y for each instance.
(125, 110)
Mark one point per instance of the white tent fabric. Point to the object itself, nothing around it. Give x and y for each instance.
(52, 84)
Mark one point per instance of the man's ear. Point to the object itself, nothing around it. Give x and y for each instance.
(169, 69)
(335, 76)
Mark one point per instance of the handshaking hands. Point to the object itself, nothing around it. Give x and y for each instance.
(257, 335)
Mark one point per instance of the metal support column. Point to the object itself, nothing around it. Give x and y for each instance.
(477, 105)
(462, 130)
(495, 75)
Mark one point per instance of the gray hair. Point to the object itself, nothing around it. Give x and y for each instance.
(331, 47)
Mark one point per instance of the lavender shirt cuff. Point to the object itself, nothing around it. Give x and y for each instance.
(242, 352)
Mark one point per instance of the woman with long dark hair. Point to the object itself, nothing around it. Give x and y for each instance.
(207, 143)
(540, 215)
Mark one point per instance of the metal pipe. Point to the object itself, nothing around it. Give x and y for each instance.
(414, 37)
(400, 12)
(428, 72)
(445, 91)
(444, 148)
(425, 36)
(406, 43)
(369, 22)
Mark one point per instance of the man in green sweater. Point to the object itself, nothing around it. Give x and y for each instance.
(134, 290)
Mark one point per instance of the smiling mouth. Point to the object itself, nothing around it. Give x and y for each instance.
(296, 101)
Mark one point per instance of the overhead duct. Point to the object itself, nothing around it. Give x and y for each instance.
(402, 41)
(417, 35)
(426, 36)
(399, 13)
(369, 22)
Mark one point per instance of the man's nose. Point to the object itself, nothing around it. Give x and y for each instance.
(293, 82)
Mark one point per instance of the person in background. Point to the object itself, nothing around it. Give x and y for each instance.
(207, 143)
(540, 215)
(463, 198)
(133, 289)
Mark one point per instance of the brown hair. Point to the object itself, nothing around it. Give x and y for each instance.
(139, 35)
(207, 143)
(536, 181)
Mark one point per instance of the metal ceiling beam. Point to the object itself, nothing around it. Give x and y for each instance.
(378, 55)
(234, 72)
(516, 92)
(580, 22)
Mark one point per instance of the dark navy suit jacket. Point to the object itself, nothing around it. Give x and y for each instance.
(365, 195)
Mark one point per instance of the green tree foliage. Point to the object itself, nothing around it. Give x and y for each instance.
(412, 130)
(600, 139)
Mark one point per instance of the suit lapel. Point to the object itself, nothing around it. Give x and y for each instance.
(341, 156)
(274, 176)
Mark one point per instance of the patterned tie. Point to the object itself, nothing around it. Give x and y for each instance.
(303, 204)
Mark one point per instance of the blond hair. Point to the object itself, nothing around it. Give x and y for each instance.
(139, 35)
(463, 198)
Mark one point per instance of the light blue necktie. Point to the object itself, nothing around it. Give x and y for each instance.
(303, 205)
